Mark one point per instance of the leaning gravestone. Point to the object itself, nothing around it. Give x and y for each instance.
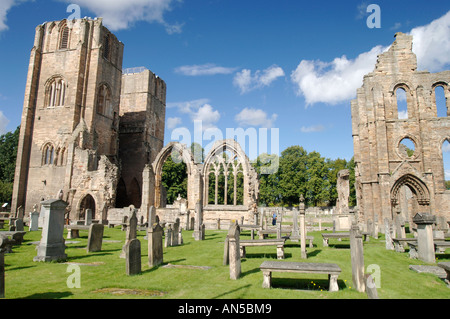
(95, 238)
(133, 257)
(357, 258)
(52, 246)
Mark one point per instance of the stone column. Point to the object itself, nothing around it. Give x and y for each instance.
(302, 228)
(425, 243)
(52, 245)
(198, 228)
(234, 251)
(357, 258)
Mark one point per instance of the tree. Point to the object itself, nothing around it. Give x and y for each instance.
(292, 174)
(174, 177)
(8, 153)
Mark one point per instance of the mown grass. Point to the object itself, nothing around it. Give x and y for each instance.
(105, 270)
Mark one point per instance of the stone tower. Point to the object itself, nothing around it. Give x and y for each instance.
(394, 153)
(70, 131)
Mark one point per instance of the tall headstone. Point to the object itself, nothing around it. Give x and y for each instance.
(52, 246)
(234, 251)
(295, 236)
(302, 227)
(34, 220)
(88, 217)
(168, 236)
(131, 229)
(95, 238)
(151, 215)
(375, 226)
(18, 223)
(425, 243)
(388, 235)
(357, 258)
(155, 245)
(199, 228)
(176, 232)
(133, 257)
(343, 190)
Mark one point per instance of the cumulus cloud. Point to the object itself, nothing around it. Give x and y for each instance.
(204, 69)
(337, 81)
(3, 123)
(5, 6)
(431, 44)
(119, 14)
(173, 122)
(246, 81)
(197, 110)
(312, 129)
(255, 117)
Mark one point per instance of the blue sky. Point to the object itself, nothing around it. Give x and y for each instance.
(287, 65)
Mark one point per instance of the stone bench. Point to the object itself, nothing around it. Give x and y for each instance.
(399, 243)
(73, 231)
(279, 243)
(332, 270)
(446, 267)
(439, 247)
(12, 238)
(264, 232)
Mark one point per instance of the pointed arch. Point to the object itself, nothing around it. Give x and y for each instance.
(417, 186)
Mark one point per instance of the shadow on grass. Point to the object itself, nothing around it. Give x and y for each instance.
(231, 291)
(50, 295)
(91, 254)
(305, 284)
(249, 272)
(18, 268)
(313, 253)
(340, 246)
(266, 255)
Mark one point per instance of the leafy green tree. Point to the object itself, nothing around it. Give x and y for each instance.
(292, 174)
(8, 153)
(174, 177)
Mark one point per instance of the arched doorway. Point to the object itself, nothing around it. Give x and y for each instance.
(411, 192)
(88, 202)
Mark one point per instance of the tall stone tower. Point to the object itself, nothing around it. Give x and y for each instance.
(70, 121)
(400, 151)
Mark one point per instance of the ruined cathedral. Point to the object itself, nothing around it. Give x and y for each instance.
(88, 127)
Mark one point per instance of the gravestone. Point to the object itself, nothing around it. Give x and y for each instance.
(34, 220)
(131, 228)
(375, 226)
(133, 257)
(168, 236)
(2, 267)
(176, 232)
(234, 251)
(199, 228)
(52, 246)
(226, 252)
(302, 228)
(357, 258)
(371, 289)
(88, 217)
(295, 237)
(18, 223)
(388, 235)
(425, 243)
(155, 245)
(95, 238)
(151, 216)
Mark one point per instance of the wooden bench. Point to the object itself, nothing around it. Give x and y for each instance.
(332, 270)
(446, 267)
(73, 231)
(279, 243)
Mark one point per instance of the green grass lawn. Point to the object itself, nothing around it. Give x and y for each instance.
(102, 274)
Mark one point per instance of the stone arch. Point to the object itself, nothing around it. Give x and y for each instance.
(446, 110)
(239, 163)
(157, 167)
(416, 185)
(405, 86)
(85, 202)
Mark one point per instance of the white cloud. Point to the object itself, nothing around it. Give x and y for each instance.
(204, 69)
(431, 44)
(3, 123)
(336, 81)
(119, 14)
(255, 117)
(247, 82)
(173, 122)
(198, 110)
(312, 128)
(5, 6)
(207, 115)
(403, 115)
